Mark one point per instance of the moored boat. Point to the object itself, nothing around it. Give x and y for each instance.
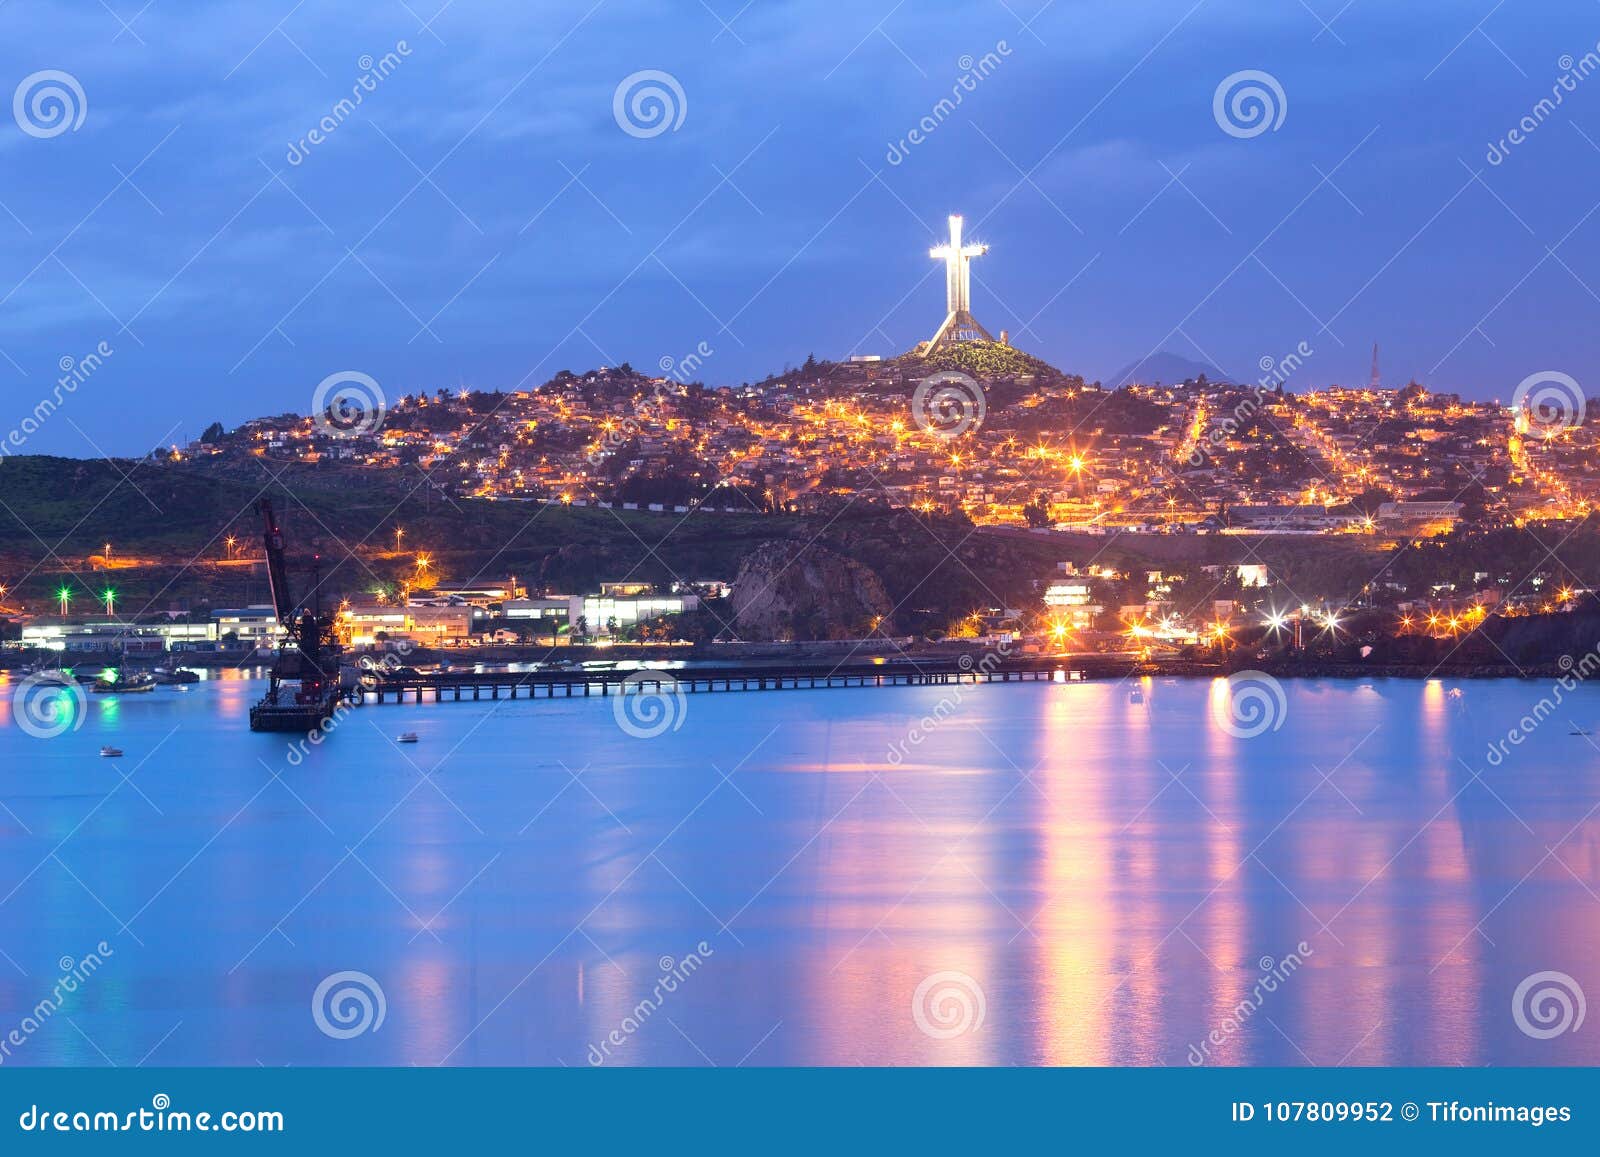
(51, 677)
(174, 675)
(305, 688)
(123, 684)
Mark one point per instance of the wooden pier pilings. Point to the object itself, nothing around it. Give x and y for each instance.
(478, 686)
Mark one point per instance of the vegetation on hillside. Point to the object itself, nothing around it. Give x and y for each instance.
(983, 360)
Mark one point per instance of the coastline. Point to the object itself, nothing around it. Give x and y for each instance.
(824, 656)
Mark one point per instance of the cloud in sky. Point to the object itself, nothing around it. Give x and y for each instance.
(481, 218)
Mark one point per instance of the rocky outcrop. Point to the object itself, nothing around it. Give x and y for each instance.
(788, 590)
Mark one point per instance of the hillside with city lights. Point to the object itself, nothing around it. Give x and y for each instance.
(1191, 518)
(963, 489)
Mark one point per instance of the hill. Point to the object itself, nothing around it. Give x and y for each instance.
(56, 514)
(984, 360)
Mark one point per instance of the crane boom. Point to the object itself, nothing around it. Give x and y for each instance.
(277, 568)
(312, 660)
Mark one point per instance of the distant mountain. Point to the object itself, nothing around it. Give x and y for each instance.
(1166, 367)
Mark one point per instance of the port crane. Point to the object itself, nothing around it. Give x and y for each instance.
(304, 687)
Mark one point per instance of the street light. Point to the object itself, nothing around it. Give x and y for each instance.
(65, 595)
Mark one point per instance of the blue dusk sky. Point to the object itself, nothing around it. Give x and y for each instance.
(497, 206)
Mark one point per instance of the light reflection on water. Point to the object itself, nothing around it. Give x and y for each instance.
(1111, 872)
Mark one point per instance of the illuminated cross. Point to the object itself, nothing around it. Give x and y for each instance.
(959, 324)
(958, 267)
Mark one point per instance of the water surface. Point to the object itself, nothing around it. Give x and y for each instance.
(1105, 876)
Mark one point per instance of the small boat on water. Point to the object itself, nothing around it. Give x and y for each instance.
(408, 737)
(174, 676)
(124, 684)
(51, 677)
(111, 752)
(1580, 731)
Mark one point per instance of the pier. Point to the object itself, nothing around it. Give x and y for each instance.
(459, 686)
